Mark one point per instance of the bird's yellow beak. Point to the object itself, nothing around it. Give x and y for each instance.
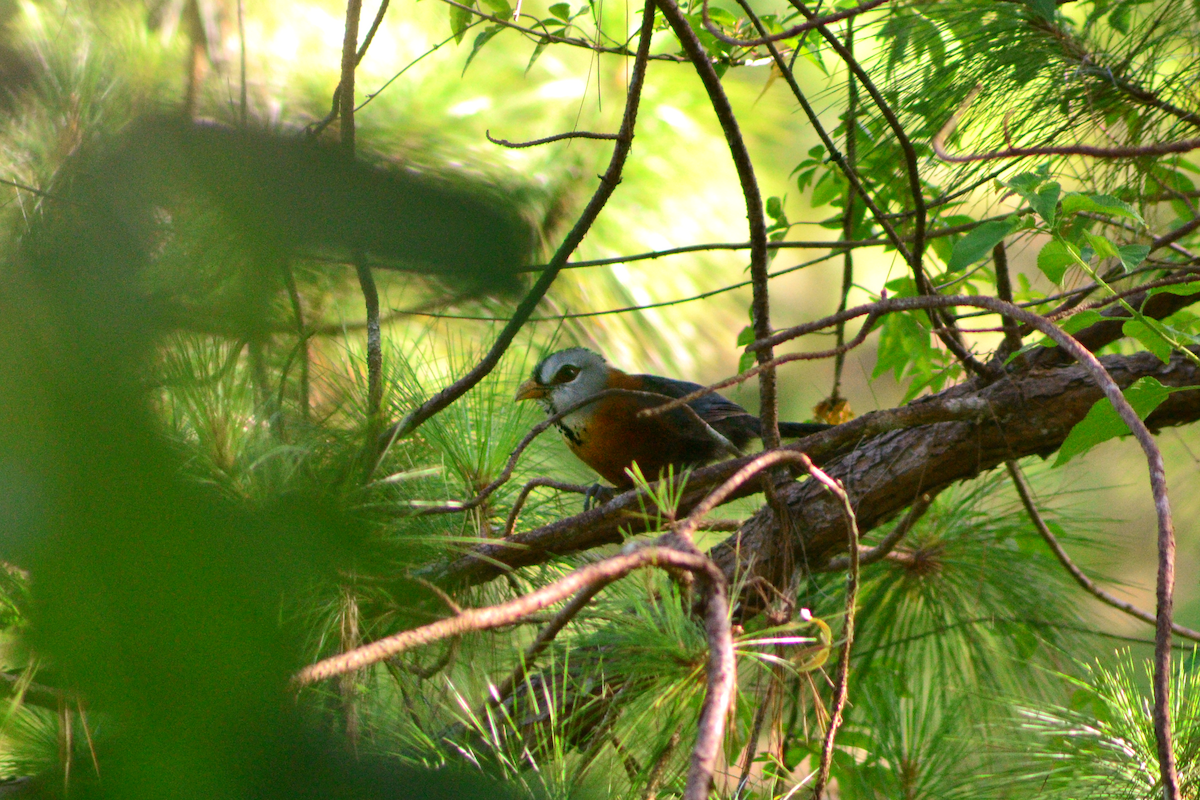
(530, 390)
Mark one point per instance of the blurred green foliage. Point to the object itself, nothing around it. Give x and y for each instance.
(184, 516)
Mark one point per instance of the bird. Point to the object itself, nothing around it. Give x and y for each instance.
(610, 437)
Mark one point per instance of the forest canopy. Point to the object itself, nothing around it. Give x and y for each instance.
(274, 523)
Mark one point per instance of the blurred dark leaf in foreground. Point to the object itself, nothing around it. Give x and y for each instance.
(155, 598)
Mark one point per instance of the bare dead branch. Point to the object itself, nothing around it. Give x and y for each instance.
(721, 664)
(558, 137)
(841, 682)
(480, 619)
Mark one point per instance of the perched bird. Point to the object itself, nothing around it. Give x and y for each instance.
(609, 436)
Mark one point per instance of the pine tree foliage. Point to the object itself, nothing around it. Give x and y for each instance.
(976, 670)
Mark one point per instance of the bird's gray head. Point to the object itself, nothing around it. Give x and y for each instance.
(566, 377)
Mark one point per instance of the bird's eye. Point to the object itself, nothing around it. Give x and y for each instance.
(566, 373)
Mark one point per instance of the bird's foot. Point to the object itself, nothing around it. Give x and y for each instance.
(597, 495)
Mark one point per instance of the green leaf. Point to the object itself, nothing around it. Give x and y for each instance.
(745, 336)
(1132, 255)
(1045, 201)
(826, 190)
(561, 10)
(537, 53)
(1191, 287)
(722, 17)
(1074, 202)
(1149, 337)
(1103, 423)
(978, 243)
(500, 8)
(775, 211)
(1084, 319)
(460, 20)
(1054, 258)
(1101, 245)
(483, 38)
(746, 361)
(1072, 325)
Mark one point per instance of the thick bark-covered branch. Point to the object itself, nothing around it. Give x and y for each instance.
(1030, 414)
(886, 459)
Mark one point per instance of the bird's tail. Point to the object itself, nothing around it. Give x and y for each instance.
(796, 430)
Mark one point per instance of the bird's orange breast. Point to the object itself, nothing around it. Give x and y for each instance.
(614, 437)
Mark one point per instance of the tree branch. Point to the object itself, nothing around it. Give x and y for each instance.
(608, 184)
(1089, 586)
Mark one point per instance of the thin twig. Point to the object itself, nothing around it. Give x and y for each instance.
(842, 680)
(1012, 337)
(847, 219)
(472, 620)
(511, 523)
(366, 282)
(538, 430)
(558, 137)
(760, 306)
(1022, 487)
(543, 639)
(346, 86)
(1165, 581)
(659, 769)
(289, 277)
(317, 127)
(880, 551)
(795, 30)
(951, 338)
(721, 663)
(608, 185)
(1139, 151)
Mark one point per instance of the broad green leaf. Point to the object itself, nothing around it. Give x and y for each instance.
(1045, 202)
(722, 17)
(1101, 245)
(1103, 423)
(460, 20)
(1150, 338)
(561, 10)
(483, 38)
(1132, 255)
(1073, 324)
(827, 189)
(537, 52)
(1191, 287)
(745, 336)
(1054, 258)
(1074, 202)
(746, 361)
(978, 243)
(500, 8)
(1083, 319)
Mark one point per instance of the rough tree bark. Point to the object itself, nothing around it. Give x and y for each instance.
(885, 459)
